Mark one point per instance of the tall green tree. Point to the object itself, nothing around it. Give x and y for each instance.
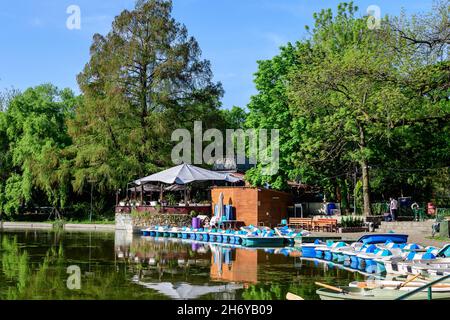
(358, 91)
(234, 118)
(145, 78)
(269, 109)
(33, 134)
(352, 97)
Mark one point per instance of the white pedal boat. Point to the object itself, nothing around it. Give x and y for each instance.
(420, 258)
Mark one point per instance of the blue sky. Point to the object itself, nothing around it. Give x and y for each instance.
(36, 46)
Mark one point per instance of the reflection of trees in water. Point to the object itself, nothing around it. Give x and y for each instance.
(301, 281)
(22, 278)
(39, 271)
(166, 260)
(31, 281)
(255, 292)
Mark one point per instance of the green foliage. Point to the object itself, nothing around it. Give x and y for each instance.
(194, 214)
(34, 134)
(352, 222)
(139, 214)
(378, 209)
(347, 101)
(234, 118)
(269, 109)
(350, 97)
(171, 199)
(444, 212)
(145, 79)
(253, 292)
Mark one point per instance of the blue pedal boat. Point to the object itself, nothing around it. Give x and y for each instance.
(147, 232)
(185, 233)
(193, 235)
(288, 234)
(310, 250)
(383, 238)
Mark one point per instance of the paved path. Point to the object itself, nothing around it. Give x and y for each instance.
(6, 225)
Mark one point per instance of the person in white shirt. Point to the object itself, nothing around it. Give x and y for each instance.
(393, 208)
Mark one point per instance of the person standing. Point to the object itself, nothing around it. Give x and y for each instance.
(393, 208)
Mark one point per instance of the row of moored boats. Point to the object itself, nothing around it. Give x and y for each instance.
(249, 236)
(383, 254)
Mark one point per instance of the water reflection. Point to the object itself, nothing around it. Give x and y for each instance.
(233, 271)
(120, 266)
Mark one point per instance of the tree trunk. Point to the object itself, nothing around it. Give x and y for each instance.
(366, 188)
(367, 211)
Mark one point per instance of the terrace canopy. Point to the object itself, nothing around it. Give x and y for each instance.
(185, 174)
(178, 177)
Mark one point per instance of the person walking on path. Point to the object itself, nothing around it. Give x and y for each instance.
(393, 208)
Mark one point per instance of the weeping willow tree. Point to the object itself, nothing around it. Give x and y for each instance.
(33, 135)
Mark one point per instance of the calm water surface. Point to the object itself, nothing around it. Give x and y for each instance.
(117, 266)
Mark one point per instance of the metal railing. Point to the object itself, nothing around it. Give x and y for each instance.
(420, 289)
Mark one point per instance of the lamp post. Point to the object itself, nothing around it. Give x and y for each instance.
(354, 191)
(92, 181)
(118, 192)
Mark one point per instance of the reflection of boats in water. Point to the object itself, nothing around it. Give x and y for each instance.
(224, 261)
(325, 264)
(179, 268)
(186, 291)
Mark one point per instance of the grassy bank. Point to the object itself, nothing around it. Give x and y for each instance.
(438, 238)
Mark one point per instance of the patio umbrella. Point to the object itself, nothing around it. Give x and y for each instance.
(186, 173)
(220, 207)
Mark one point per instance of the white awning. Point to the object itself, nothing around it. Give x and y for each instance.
(186, 173)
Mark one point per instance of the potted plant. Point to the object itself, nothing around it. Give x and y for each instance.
(352, 224)
(171, 201)
(194, 214)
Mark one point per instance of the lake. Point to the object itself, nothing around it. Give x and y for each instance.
(52, 265)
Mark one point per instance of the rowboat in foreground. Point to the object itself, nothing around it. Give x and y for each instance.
(397, 285)
(388, 290)
(352, 293)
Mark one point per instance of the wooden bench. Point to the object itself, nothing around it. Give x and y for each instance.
(301, 223)
(325, 225)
